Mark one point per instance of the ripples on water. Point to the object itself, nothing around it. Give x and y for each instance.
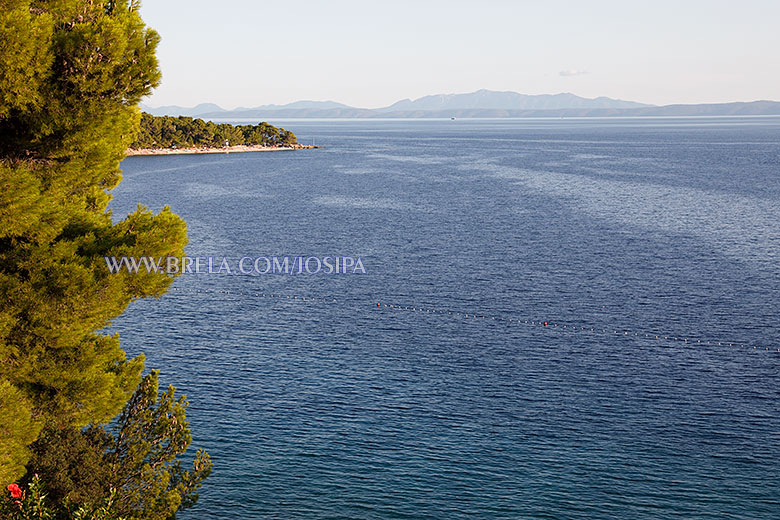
(346, 411)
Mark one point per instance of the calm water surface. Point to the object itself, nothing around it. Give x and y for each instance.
(342, 410)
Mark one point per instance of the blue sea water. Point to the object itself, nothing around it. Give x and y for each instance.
(339, 409)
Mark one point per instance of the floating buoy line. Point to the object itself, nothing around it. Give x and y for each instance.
(542, 324)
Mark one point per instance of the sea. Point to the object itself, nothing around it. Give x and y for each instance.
(555, 318)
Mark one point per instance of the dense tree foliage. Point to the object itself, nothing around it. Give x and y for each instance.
(187, 132)
(17, 431)
(71, 75)
(67, 115)
(131, 465)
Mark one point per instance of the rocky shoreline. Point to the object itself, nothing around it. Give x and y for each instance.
(224, 149)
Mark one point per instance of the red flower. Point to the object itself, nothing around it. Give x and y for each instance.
(16, 491)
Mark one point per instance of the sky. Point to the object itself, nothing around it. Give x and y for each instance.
(370, 54)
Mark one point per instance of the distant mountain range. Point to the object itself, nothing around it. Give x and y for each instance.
(491, 100)
(482, 103)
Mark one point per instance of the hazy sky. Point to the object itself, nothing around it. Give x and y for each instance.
(370, 54)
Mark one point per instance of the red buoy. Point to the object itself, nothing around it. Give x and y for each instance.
(377, 304)
(545, 323)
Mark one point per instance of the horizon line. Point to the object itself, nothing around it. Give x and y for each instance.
(145, 103)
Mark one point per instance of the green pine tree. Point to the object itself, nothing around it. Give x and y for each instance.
(71, 75)
(150, 434)
(131, 469)
(17, 431)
